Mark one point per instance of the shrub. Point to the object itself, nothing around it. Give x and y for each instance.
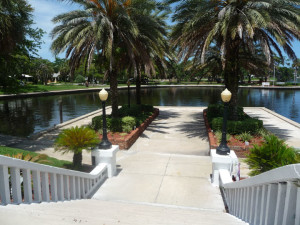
(128, 123)
(114, 124)
(245, 136)
(137, 113)
(79, 79)
(75, 139)
(250, 125)
(272, 154)
(217, 110)
(96, 123)
(219, 136)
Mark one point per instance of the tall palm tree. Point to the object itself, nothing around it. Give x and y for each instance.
(151, 46)
(102, 26)
(234, 25)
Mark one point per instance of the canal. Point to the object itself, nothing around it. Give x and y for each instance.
(25, 116)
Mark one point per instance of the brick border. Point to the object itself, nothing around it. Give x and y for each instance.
(135, 134)
(213, 144)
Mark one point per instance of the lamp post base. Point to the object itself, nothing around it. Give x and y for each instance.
(105, 144)
(223, 149)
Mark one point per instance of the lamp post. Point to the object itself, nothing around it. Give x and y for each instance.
(105, 144)
(128, 94)
(223, 149)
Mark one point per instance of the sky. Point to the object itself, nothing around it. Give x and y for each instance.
(45, 10)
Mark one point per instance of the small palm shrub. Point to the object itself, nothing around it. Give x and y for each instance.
(273, 153)
(245, 136)
(75, 139)
(219, 136)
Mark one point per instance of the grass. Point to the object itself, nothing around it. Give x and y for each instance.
(30, 88)
(49, 160)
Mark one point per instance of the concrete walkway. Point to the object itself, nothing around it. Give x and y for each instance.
(168, 165)
(281, 126)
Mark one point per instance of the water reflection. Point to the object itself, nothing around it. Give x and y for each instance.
(22, 117)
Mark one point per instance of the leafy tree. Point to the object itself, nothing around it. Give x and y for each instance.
(75, 139)
(43, 70)
(18, 41)
(103, 26)
(234, 25)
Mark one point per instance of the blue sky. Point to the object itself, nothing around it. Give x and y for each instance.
(45, 10)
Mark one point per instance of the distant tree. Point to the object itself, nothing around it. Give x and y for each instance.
(18, 40)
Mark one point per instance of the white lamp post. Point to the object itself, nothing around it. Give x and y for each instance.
(223, 149)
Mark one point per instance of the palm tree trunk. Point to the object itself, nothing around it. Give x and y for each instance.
(138, 87)
(231, 77)
(77, 160)
(114, 93)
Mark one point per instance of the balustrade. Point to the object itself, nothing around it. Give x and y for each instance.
(27, 182)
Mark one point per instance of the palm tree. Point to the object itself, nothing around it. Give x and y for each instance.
(75, 139)
(102, 26)
(235, 26)
(151, 46)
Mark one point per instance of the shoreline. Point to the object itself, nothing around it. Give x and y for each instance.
(49, 93)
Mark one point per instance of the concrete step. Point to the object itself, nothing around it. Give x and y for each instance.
(111, 213)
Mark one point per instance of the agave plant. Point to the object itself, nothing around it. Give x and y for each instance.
(75, 139)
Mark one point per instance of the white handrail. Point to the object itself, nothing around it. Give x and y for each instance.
(269, 198)
(26, 182)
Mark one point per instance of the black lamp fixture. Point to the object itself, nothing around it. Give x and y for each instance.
(105, 144)
(223, 149)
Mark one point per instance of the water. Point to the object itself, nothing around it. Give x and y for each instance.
(23, 117)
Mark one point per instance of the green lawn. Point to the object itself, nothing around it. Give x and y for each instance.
(47, 161)
(43, 88)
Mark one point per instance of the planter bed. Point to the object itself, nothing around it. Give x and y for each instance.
(234, 144)
(126, 140)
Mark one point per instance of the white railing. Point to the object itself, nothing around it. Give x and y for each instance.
(27, 182)
(271, 198)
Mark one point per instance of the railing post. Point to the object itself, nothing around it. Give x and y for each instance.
(60, 187)
(27, 185)
(72, 188)
(36, 178)
(271, 203)
(45, 186)
(290, 204)
(4, 185)
(53, 185)
(67, 187)
(280, 203)
(16, 185)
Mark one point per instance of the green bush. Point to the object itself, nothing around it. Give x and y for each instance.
(245, 136)
(250, 125)
(114, 124)
(96, 123)
(217, 110)
(129, 117)
(128, 123)
(272, 154)
(79, 79)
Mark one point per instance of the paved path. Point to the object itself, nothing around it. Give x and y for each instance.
(282, 127)
(168, 165)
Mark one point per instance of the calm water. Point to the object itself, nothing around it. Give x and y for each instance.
(23, 117)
